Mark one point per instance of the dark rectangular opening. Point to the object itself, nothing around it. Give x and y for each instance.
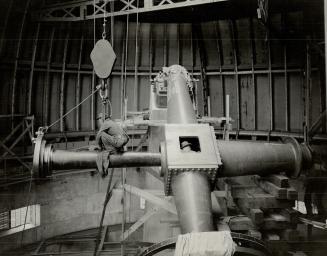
(189, 143)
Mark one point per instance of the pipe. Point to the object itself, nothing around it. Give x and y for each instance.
(179, 105)
(247, 158)
(47, 159)
(64, 159)
(191, 190)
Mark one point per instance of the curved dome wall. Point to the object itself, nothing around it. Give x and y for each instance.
(264, 78)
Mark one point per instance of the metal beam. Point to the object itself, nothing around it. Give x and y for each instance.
(271, 89)
(39, 247)
(2, 38)
(78, 84)
(204, 81)
(253, 61)
(103, 236)
(18, 139)
(46, 92)
(154, 173)
(62, 83)
(30, 84)
(220, 59)
(235, 55)
(13, 132)
(85, 10)
(136, 64)
(286, 84)
(139, 223)
(14, 155)
(13, 92)
(151, 198)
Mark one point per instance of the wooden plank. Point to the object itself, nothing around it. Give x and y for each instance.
(242, 191)
(272, 237)
(139, 223)
(256, 216)
(291, 215)
(279, 193)
(278, 179)
(263, 201)
(255, 233)
(151, 198)
(292, 194)
(276, 221)
(216, 207)
(239, 223)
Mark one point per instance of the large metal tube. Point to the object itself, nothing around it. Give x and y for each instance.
(191, 190)
(246, 158)
(64, 159)
(179, 105)
(193, 202)
(46, 159)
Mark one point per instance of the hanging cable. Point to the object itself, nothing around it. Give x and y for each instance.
(105, 203)
(44, 129)
(93, 23)
(124, 117)
(125, 64)
(135, 84)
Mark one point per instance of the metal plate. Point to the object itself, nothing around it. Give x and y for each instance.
(103, 58)
(207, 157)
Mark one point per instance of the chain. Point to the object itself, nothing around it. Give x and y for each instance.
(104, 34)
